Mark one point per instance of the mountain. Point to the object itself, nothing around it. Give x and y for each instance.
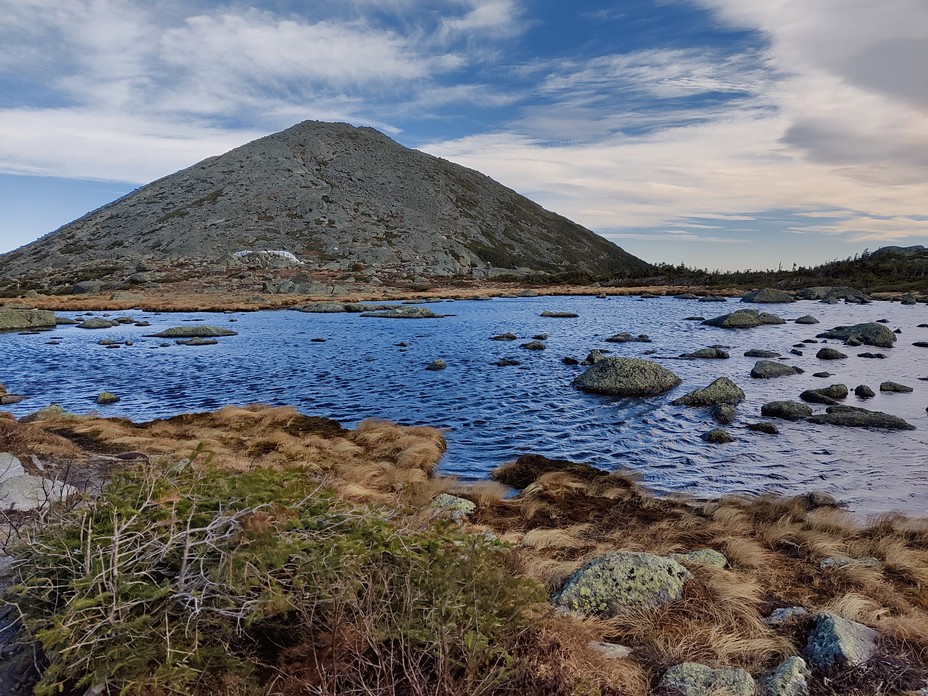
(336, 197)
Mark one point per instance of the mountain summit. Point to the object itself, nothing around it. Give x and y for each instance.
(337, 198)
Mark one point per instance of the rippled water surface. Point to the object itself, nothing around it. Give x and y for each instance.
(492, 414)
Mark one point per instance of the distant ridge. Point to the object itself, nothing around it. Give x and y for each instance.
(337, 197)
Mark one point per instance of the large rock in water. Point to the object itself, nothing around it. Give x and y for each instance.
(744, 319)
(18, 318)
(194, 331)
(721, 391)
(768, 369)
(609, 584)
(768, 296)
(855, 417)
(333, 196)
(871, 334)
(626, 377)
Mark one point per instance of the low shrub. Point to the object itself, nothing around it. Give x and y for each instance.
(201, 581)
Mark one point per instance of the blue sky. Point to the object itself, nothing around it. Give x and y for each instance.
(720, 133)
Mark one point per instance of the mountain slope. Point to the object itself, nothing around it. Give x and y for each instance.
(338, 198)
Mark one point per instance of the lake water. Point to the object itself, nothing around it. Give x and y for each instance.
(493, 414)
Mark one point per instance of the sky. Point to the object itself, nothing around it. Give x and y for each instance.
(724, 134)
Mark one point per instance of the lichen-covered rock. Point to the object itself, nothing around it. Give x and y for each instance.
(438, 364)
(96, 323)
(721, 391)
(895, 388)
(18, 318)
(194, 331)
(768, 296)
(743, 319)
(625, 337)
(453, 506)
(196, 341)
(767, 369)
(724, 414)
(830, 354)
(717, 436)
(787, 410)
(790, 678)
(606, 585)
(105, 397)
(871, 334)
(854, 417)
(710, 353)
(780, 616)
(50, 412)
(709, 557)
(694, 679)
(835, 641)
(626, 377)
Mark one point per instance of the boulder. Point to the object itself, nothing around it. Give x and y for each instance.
(506, 362)
(871, 334)
(853, 417)
(593, 357)
(830, 354)
(559, 315)
(767, 369)
(743, 319)
(710, 353)
(908, 299)
(831, 295)
(540, 337)
(17, 318)
(877, 356)
(508, 336)
(895, 388)
(438, 364)
(406, 312)
(717, 436)
(763, 427)
(452, 506)
(721, 391)
(758, 353)
(837, 642)
(816, 396)
(533, 345)
(768, 296)
(626, 337)
(607, 585)
(568, 360)
(807, 319)
(724, 414)
(27, 492)
(96, 323)
(694, 679)
(194, 331)
(626, 377)
(105, 397)
(10, 467)
(864, 392)
(530, 467)
(790, 678)
(196, 341)
(787, 410)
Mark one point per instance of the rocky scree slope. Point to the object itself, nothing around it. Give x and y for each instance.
(338, 198)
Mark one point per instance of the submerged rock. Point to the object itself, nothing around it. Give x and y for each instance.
(533, 345)
(694, 679)
(438, 364)
(763, 427)
(871, 334)
(758, 353)
(626, 337)
(405, 312)
(96, 323)
(508, 336)
(711, 353)
(559, 315)
(626, 377)
(721, 391)
(606, 585)
(807, 319)
(895, 388)
(724, 414)
(830, 354)
(717, 436)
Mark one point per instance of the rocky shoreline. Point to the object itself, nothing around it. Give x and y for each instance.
(743, 595)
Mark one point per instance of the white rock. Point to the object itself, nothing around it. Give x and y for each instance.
(27, 492)
(10, 466)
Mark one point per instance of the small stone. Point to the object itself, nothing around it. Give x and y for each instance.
(709, 557)
(780, 616)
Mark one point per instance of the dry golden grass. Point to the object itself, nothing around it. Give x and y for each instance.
(562, 519)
